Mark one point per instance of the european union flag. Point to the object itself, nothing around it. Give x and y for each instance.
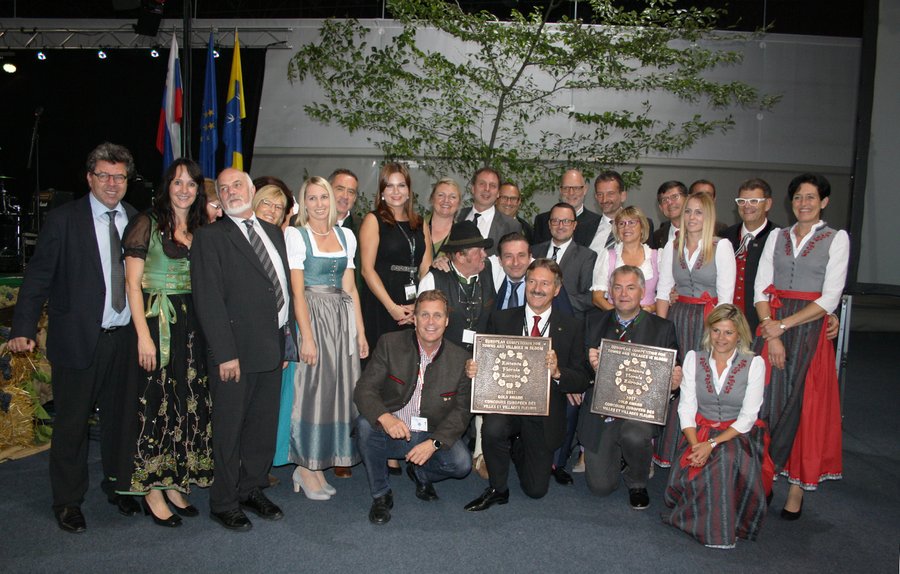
(209, 118)
(234, 111)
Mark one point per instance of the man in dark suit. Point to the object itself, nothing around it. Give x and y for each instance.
(535, 437)
(748, 239)
(575, 261)
(413, 400)
(239, 264)
(508, 203)
(346, 189)
(491, 222)
(671, 197)
(572, 189)
(77, 266)
(607, 440)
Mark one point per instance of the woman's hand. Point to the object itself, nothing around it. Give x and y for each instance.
(146, 353)
(403, 314)
(363, 345)
(771, 329)
(700, 454)
(776, 353)
(308, 351)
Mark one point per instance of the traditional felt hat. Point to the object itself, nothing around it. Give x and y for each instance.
(463, 235)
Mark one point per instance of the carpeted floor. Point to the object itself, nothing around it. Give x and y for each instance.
(852, 525)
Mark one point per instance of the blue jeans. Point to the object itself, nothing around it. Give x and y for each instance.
(376, 447)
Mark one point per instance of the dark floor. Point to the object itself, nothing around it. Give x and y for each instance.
(851, 525)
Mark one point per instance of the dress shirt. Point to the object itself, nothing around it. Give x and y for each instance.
(285, 311)
(562, 249)
(754, 233)
(542, 324)
(101, 229)
(726, 271)
(598, 243)
(485, 218)
(756, 379)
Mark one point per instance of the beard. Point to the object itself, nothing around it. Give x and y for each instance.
(237, 210)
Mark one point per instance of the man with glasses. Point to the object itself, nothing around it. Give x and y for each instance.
(490, 221)
(671, 197)
(77, 267)
(509, 202)
(610, 193)
(575, 261)
(572, 189)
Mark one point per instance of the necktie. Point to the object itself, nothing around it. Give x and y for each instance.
(555, 251)
(475, 216)
(745, 242)
(535, 332)
(266, 261)
(513, 295)
(610, 240)
(116, 271)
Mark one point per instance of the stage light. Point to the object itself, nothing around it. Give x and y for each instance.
(9, 68)
(154, 53)
(41, 56)
(215, 53)
(101, 54)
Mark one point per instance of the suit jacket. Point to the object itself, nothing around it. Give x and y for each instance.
(659, 238)
(566, 335)
(235, 300)
(65, 271)
(560, 302)
(588, 222)
(754, 252)
(650, 330)
(390, 377)
(577, 266)
(527, 229)
(500, 226)
(352, 222)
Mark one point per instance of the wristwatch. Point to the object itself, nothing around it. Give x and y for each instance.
(436, 444)
(783, 326)
(712, 442)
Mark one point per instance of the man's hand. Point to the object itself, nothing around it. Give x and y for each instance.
(677, 376)
(230, 371)
(420, 453)
(594, 358)
(20, 345)
(394, 427)
(575, 398)
(471, 368)
(553, 365)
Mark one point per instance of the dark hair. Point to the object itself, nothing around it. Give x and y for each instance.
(432, 295)
(512, 183)
(610, 175)
(487, 169)
(756, 183)
(383, 209)
(817, 180)
(701, 182)
(112, 153)
(509, 238)
(162, 203)
(667, 185)
(341, 171)
(567, 206)
(548, 264)
(265, 180)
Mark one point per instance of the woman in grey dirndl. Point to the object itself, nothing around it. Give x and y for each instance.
(332, 341)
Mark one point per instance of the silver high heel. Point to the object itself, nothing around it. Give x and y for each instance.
(297, 479)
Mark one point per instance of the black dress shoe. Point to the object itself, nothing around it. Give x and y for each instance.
(562, 476)
(127, 505)
(189, 511)
(424, 491)
(258, 504)
(71, 519)
(788, 515)
(394, 470)
(638, 498)
(487, 499)
(380, 513)
(232, 519)
(170, 522)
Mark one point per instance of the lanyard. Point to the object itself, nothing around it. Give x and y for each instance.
(412, 252)
(526, 332)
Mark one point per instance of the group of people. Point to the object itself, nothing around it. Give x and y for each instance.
(229, 329)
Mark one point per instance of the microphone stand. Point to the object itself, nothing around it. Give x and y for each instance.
(35, 155)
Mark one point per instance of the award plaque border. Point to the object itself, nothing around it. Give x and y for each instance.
(485, 377)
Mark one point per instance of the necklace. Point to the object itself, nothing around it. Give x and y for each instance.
(308, 226)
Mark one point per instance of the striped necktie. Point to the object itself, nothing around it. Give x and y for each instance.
(260, 249)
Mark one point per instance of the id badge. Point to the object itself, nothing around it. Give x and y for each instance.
(418, 424)
(468, 336)
(410, 291)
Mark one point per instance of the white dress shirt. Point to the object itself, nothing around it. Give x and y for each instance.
(101, 229)
(284, 313)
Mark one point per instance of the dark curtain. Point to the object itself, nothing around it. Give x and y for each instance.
(87, 101)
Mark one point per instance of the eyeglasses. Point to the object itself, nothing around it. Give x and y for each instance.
(570, 188)
(103, 177)
(627, 223)
(751, 201)
(214, 205)
(671, 198)
(563, 222)
(272, 205)
(509, 198)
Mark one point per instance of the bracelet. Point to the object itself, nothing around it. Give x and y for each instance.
(712, 442)
(766, 318)
(783, 326)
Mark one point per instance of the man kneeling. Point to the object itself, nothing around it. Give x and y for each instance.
(413, 399)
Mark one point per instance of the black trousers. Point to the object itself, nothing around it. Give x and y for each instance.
(529, 452)
(620, 439)
(245, 423)
(75, 392)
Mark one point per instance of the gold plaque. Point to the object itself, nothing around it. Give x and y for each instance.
(512, 378)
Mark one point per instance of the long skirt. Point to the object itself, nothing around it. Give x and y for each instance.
(726, 498)
(323, 410)
(283, 439)
(802, 404)
(688, 320)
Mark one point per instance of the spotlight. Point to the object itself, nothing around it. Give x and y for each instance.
(9, 68)
(41, 56)
(101, 54)
(215, 53)
(154, 53)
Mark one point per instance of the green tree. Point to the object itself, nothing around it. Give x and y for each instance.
(482, 103)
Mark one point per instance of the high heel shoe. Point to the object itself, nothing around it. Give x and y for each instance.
(788, 515)
(297, 479)
(188, 511)
(170, 522)
(328, 489)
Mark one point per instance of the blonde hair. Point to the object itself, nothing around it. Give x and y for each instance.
(727, 312)
(270, 192)
(707, 245)
(632, 211)
(445, 181)
(302, 216)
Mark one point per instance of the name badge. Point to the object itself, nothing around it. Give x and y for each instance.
(418, 424)
(410, 291)
(468, 336)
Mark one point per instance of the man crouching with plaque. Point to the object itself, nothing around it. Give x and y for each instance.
(413, 399)
(534, 438)
(608, 441)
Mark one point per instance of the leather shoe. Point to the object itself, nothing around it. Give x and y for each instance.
(258, 504)
(171, 522)
(189, 511)
(234, 519)
(424, 490)
(487, 499)
(380, 513)
(394, 470)
(639, 498)
(343, 472)
(71, 519)
(788, 515)
(127, 505)
(562, 476)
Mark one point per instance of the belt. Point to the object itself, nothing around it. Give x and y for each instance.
(110, 329)
(708, 301)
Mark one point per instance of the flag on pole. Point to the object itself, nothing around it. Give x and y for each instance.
(168, 135)
(209, 118)
(234, 111)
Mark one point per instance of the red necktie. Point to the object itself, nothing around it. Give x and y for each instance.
(535, 332)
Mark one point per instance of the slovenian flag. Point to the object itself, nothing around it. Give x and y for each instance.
(168, 136)
(209, 132)
(234, 112)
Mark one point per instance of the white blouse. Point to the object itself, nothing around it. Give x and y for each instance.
(726, 270)
(601, 267)
(296, 248)
(753, 398)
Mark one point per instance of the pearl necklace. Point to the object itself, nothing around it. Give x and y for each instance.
(308, 226)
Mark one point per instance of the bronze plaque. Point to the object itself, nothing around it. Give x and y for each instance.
(512, 378)
(633, 381)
